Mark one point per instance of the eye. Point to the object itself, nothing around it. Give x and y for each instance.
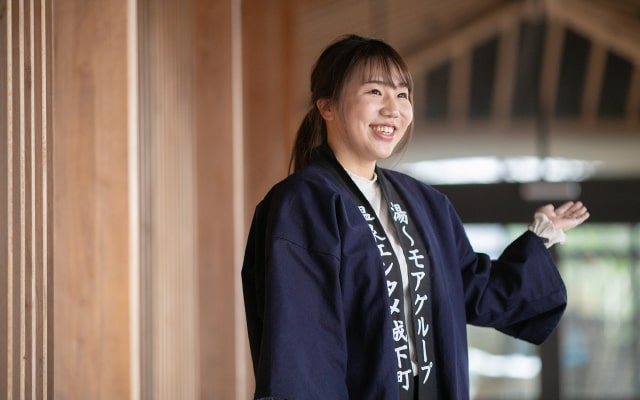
(375, 91)
(403, 95)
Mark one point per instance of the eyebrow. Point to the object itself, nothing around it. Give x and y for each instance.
(387, 83)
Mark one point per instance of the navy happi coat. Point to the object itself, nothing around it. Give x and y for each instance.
(316, 294)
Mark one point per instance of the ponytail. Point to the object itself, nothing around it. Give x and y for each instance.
(311, 134)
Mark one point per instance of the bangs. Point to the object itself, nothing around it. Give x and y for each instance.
(372, 59)
(386, 69)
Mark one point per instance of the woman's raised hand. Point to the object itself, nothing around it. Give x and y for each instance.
(566, 216)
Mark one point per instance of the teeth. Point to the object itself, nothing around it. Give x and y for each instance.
(387, 130)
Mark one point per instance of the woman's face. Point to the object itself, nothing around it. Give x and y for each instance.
(370, 119)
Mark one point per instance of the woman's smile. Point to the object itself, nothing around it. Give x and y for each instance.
(386, 130)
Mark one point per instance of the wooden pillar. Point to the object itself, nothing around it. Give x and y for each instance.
(25, 199)
(168, 257)
(152, 170)
(91, 191)
(220, 197)
(269, 119)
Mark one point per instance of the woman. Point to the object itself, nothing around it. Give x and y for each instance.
(359, 281)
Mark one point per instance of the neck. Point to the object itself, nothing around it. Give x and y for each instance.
(362, 169)
(368, 174)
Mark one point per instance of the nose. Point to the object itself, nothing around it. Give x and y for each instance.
(390, 107)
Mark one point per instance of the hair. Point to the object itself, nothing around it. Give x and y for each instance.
(336, 64)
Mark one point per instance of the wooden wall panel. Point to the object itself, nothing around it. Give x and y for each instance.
(169, 281)
(91, 234)
(189, 215)
(269, 119)
(270, 123)
(218, 196)
(244, 130)
(25, 196)
(4, 203)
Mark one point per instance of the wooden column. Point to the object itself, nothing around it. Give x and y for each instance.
(91, 209)
(269, 119)
(25, 199)
(193, 339)
(219, 163)
(151, 177)
(169, 291)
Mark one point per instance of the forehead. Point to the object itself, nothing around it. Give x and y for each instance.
(380, 70)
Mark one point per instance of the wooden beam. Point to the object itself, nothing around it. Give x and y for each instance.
(550, 75)
(505, 203)
(593, 83)
(434, 50)
(459, 88)
(615, 31)
(505, 71)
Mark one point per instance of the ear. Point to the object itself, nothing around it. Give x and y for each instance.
(326, 108)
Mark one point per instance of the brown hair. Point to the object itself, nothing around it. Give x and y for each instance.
(332, 69)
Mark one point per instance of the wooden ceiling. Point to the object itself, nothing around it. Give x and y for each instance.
(506, 68)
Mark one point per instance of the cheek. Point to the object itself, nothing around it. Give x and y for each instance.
(408, 114)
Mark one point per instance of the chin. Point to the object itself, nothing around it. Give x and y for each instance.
(386, 153)
(381, 157)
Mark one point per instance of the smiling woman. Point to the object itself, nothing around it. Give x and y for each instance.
(359, 281)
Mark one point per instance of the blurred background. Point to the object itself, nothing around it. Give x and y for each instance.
(138, 136)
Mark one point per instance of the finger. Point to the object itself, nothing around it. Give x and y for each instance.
(576, 207)
(572, 222)
(576, 210)
(583, 217)
(579, 212)
(564, 208)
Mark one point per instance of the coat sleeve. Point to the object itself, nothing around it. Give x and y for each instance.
(294, 313)
(520, 294)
